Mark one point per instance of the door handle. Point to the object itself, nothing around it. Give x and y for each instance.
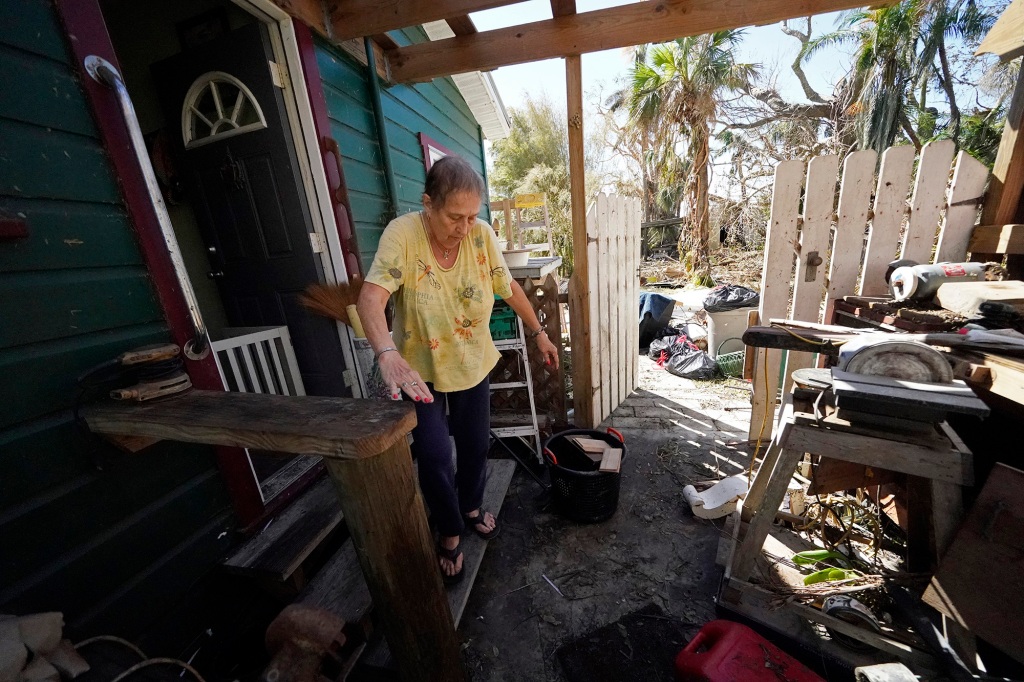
(215, 274)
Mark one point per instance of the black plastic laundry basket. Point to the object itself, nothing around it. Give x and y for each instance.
(583, 495)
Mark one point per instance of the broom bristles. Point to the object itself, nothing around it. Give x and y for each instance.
(331, 300)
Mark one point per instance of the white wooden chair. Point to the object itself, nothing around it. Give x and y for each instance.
(816, 252)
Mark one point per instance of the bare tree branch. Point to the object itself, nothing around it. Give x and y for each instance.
(908, 128)
(809, 92)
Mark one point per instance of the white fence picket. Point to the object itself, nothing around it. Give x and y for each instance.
(928, 200)
(777, 274)
(966, 192)
(594, 333)
(848, 244)
(809, 283)
(889, 212)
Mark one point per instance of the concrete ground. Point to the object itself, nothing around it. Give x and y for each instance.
(652, 551)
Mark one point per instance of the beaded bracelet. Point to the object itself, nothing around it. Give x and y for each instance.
(535, 334)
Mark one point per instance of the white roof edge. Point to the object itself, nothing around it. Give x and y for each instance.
(478, 89)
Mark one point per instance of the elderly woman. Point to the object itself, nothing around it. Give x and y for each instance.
(444, 267)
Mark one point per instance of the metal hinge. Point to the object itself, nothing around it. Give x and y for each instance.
(317, 242)
(278, 74)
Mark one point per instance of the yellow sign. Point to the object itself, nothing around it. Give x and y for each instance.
(531, 200)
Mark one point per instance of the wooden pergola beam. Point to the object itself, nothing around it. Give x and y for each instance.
(563, 8)
(651, 21)
(358, 18)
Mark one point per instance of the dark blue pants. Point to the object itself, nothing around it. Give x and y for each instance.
(451, 493)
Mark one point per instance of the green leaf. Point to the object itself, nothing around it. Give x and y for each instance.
(829, 574)
(813, 556)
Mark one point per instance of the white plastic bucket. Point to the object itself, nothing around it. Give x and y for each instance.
(724, 326)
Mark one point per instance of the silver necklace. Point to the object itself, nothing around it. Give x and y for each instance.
(446, 253)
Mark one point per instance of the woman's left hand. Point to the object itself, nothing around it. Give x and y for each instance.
(548, 350)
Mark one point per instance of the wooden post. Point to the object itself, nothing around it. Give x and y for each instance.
(365, 446)
(579, 284)
(385, 516)
(1007, 183)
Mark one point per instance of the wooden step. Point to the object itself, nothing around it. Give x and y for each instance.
(291, 536)
(499, 476)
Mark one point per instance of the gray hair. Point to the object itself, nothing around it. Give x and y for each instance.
(451, 175)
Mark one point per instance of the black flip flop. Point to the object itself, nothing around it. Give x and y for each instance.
(474, 521)
(451, 555)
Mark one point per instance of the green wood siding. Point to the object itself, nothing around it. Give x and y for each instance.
(109, 539)
(435, 109)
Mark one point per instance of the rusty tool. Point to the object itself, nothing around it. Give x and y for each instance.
(301, 640)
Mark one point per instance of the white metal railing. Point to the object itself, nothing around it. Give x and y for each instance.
(258, 360)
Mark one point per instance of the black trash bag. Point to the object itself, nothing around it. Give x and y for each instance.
(730, 297)
(665, 344)
(691, 363)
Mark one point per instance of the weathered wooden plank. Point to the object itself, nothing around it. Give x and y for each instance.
(42, 92)
(32, 26)
(1005, 39)
(967, 190)
(776, 275)
(908, 458)
(358, 18)
(68, 454)
(83, 579)
(928, 200)
(584, 253)
(967, 298)
(976, 582)
(40, 306)
(33, 365)
(88, 507)
(162, 586)
(67, 234)
(889, 211)
(809, 283)
(339, 428)
(848, 245)
(631, 24)
(997, 239)
(605, 215)
(1007, 183)
(779, 476)
(635, 297)
(615, 300)
(36, 163)
(281, 547)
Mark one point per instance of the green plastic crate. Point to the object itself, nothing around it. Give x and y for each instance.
(503, 321)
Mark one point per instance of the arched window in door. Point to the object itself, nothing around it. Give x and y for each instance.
(217, 106)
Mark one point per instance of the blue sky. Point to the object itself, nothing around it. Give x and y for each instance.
(766, 45)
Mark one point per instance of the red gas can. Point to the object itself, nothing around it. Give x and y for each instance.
(724, 651)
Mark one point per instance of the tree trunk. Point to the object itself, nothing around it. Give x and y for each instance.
(697, 194)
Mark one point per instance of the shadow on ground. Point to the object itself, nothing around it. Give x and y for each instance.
(653, 551)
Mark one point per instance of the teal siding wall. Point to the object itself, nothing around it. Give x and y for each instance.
(435, 109)
(111, 540)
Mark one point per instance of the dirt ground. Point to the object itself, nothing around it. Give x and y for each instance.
(652, 551)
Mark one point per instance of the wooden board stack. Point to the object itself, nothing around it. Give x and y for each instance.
(607, 458)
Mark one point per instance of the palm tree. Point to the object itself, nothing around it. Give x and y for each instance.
(897, 48)
(678, 86)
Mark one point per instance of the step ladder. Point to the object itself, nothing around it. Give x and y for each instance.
(530, 427)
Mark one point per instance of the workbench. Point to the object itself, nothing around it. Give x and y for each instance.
(366, 452)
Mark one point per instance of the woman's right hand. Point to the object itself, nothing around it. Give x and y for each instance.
(398, 375)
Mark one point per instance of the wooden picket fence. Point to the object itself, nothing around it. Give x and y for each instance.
(822, 253)
(605, 360)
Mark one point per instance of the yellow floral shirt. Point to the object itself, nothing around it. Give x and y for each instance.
(442, 316)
